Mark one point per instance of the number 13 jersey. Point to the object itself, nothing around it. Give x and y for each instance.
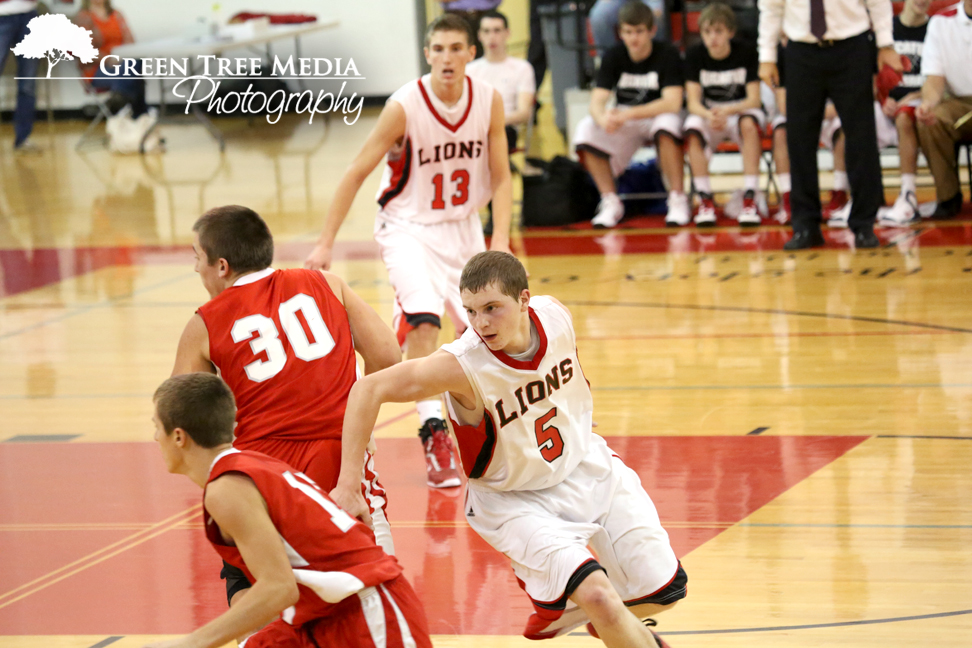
(537, 417)
(282, 342)
(440, 172)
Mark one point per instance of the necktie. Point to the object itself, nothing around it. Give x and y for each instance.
(818, 20)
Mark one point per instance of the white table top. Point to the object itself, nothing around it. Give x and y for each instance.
(182, 46)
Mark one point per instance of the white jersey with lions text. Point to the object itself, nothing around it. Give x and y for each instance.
(440, 172)
(536, 425)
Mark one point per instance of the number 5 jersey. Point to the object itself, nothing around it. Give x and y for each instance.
(282, 342)
(537, 418)
(440, 172)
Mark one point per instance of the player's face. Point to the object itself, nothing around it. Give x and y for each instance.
(495, 316)
(716, 38)
(166, 444)
(493, 35)
(208, 273)
(447, 53)
(637, 38)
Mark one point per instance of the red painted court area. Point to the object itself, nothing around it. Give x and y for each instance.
(99, 539)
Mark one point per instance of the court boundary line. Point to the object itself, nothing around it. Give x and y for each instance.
(772, 311)
(90, 560)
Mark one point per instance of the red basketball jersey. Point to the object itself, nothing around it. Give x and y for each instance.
(332, 554)
(282, 342)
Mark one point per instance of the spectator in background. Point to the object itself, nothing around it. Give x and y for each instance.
(646, 78)
(472, 11)
(512, 77)
(604, 22)
(722, 90)
(14, 16)
(947, 66)
(109, 30)
(831, 52)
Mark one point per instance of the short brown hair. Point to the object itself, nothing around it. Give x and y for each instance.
(718, 13)
(636, 13)
(449, 22)
(199, 403)
(500, 267)
(236, 234)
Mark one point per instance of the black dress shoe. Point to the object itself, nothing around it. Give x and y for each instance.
(805, 239)
(865, 238)
(949, 208)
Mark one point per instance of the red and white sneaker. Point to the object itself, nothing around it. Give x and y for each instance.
(749, 216)
(440, 456)
(706, 215)
(838, 200)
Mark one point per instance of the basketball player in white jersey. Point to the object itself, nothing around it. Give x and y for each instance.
(445, 139)
(542, 486)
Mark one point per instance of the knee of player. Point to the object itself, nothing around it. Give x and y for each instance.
(748, 128)
(598, 598)
(904, 123)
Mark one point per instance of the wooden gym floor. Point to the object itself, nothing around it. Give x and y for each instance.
(803, 421)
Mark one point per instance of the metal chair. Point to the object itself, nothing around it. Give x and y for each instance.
(100, 98)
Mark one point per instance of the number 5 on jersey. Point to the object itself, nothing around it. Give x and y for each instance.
(267, 339)
(460, 177)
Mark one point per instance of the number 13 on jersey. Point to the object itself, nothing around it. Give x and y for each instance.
(460, 178)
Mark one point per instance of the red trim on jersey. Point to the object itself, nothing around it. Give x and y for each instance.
(476, 445)
(401, 171)
(949, 13)
(428, 102)
(537, 358)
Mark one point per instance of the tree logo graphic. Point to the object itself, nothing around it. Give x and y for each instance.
(54, 37)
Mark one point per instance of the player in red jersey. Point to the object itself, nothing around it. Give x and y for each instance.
(310, 562)
(285, 342)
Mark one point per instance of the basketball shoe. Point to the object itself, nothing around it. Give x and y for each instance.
(749, 216)
(706, 216)
(440, 457)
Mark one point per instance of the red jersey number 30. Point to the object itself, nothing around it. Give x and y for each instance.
(264, 337)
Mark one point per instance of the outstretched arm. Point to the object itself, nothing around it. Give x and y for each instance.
(193, 352)
(390, 128)
(499, 173)
(412, 380)
(236, 505)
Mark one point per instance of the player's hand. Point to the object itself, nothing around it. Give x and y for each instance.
(319, 258)
(769, 74)
(887, 56)
(614, 120)
(925, 113)
(719, 118)
(890, 108)
(352, 501)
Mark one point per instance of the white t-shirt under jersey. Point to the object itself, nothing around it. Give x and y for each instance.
(441, 171)
(536, 425)
(511, 78)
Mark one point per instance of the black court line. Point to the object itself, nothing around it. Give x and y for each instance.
(772, 311)
(810, 626)
(106, 642)
(923, 436)
(757, 431)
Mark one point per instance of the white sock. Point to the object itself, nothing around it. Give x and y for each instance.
(703, 185)
(909, 183)
(783, 180)
(751, 182)
(429, 409)
(840, 181)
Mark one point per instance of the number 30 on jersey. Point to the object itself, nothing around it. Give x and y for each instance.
(267, 338)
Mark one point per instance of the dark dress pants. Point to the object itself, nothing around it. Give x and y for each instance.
(841, 71)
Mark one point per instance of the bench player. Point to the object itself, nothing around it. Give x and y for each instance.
(285, 342)
(542, 486)
(446, 133)
(311, 563)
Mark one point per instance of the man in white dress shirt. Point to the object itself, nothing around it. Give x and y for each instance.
(831, 52)
(947, 66)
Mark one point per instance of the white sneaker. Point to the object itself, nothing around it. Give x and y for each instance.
(610, 211)
(904, 210)
(840, 217)
(706, 215)
(679, 213)
(749, 215)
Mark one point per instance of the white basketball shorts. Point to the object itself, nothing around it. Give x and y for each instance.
(731, 133)
(621, 145)
(887, 132)
(424, 265)
(546, 533)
